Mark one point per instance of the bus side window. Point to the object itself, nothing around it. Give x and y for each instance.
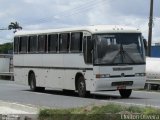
(53, 43)
(88, 49)
(42, 43)
(32, 44)
(16, 43)
(64, 39)
(23, 44)
(76, 42)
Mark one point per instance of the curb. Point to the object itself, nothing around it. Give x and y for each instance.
(21, 107)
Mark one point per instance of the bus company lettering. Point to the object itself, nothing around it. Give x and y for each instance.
(122, 69)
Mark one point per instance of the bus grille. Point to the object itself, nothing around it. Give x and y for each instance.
(126, 83)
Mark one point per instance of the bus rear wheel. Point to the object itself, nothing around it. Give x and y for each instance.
(32, 84)
(125, 93)
(32, 80)
(82, 87)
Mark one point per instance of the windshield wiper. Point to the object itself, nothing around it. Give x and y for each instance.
(122, 52)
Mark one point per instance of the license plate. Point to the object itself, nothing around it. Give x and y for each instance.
(121, 87)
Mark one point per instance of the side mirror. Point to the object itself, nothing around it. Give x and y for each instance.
(145, 45)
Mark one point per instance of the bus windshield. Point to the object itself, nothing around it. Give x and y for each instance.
(118, 48)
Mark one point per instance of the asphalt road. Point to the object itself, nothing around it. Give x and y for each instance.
(11, 92)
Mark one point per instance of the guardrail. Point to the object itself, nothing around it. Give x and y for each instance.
(10, 74)
(152, 84)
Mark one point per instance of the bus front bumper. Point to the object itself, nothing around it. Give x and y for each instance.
(104, 84)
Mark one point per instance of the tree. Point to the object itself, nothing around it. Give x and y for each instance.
(15, 26)
(4, 48)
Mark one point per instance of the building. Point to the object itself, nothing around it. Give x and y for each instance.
(155, 50)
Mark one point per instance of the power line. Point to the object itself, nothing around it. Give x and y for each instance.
(89, 3)
(77, 12)
(74, 11)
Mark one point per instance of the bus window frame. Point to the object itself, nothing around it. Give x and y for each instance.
(80, 41)
(45, 43)
(68, 42)
(29, 48)
(85, 49)
(17, 51)
(57, 49)
(20, 45)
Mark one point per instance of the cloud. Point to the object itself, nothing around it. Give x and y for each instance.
(156, 30)
(43, 14)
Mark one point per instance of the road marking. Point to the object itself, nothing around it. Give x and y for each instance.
(8, 110)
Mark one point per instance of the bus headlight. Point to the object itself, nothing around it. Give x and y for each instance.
(102, 75)
(140, 74)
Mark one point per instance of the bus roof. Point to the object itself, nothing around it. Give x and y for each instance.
(92, 29)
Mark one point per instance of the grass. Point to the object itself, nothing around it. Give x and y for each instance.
(106, 112)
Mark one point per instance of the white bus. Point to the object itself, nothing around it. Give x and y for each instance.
(84, 59)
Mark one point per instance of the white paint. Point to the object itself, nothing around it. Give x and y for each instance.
(7, 110)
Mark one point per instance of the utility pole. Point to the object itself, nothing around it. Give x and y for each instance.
(150, 28)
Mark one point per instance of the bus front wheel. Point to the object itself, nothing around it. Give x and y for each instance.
(82, 87)
(125, 93)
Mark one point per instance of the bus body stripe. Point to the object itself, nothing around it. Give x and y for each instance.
(61, 68)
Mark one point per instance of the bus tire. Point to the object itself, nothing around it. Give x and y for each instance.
(125, 93)
(32, 81)
(81, 86)
(32, 84)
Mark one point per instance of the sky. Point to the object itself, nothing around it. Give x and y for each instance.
(50, 14)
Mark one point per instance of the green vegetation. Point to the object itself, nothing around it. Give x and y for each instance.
(107, 112)
(4, 48)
